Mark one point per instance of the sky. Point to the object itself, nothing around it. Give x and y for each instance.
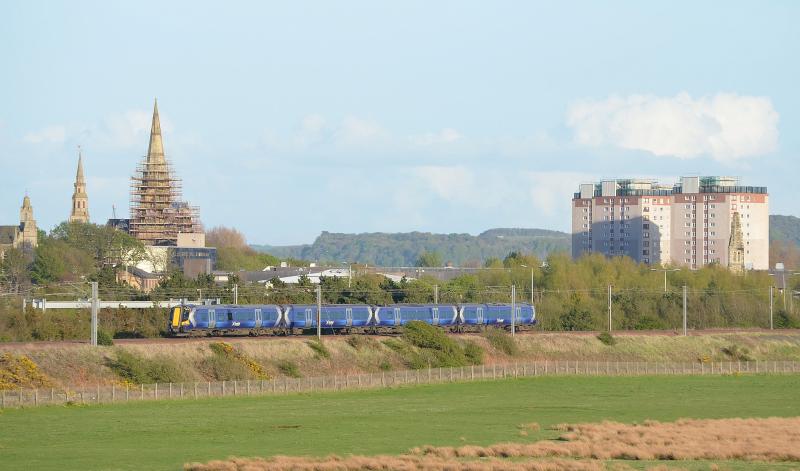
(288, 119)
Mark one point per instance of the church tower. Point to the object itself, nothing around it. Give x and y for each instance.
(80, 200)
(27, 225)
(736, 245)
(158, 214)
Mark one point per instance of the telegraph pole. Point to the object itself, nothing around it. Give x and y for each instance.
(95, 305)
(235, 294)
(513, 309)
(435, 294)
(319, 312)
(531, 286)
(770, 307)
(609, 308)
(684, 310)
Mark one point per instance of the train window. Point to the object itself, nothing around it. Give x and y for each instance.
(230, 315)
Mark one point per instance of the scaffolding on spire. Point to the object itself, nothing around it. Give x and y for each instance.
(158, 213)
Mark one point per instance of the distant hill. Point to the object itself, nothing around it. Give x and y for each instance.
(403, 249)
(784, 229)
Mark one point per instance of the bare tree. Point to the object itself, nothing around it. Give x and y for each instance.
(221, 236)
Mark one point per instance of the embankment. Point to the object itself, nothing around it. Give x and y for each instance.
(47, 365)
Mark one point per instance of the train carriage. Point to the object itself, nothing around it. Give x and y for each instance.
(226, 319)
(479, 316)
(347, 317)
(394, 316)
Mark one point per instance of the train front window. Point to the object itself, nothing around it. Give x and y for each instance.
(185, 315)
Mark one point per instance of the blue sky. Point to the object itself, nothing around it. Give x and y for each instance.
(287, 119)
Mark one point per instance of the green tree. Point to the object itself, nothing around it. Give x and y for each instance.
(14, 272)
(429, 259)
(577, 316)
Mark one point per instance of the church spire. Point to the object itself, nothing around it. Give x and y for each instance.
(80, 200)
(79, 176)
(155, 151)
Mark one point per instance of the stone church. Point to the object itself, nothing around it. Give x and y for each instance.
(23, 236)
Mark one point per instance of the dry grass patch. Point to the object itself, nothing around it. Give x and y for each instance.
(580, 447)
(772, 439)
(394, 463)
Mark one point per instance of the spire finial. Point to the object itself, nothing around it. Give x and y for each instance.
(79, 175)
(155, 152)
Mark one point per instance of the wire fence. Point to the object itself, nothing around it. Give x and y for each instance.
(174, 391)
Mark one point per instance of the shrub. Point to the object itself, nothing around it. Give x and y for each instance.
(223, 368)
(734, 352)
(319, 348)
(229, 363)
(426, 346)
(289, 368)
(473, 352)
(19, 371)
(104, 338)
(502, 341)
(606, 338)
(221, 348)
(360, 341)
(385, 365)
(139, 370)
(784, 321)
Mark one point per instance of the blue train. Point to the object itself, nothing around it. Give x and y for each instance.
(271, 319)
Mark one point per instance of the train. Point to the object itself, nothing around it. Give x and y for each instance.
(292, 319)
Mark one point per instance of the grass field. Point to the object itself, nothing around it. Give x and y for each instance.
(165, 435)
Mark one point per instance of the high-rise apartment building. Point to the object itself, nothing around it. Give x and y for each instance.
(695, 222)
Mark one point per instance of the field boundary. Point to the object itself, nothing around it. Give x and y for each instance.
(200, 390)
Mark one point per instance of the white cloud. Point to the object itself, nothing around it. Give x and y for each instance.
(550, 192)
(726, 126)
(357, 132)
(125, 130)
(49, 135)
(445, 136)
(545, 193)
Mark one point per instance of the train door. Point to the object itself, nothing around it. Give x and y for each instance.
(348, 314)
(258, 318)
(435, 312)
(308, 317)
(397, 316)
(212, 319)
(519, 315)
(479, 315)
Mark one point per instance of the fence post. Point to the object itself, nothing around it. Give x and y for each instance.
(127, 392)
(223, 388)
(113, 393)
(98, 394)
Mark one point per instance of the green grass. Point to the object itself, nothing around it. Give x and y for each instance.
(164, 435)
